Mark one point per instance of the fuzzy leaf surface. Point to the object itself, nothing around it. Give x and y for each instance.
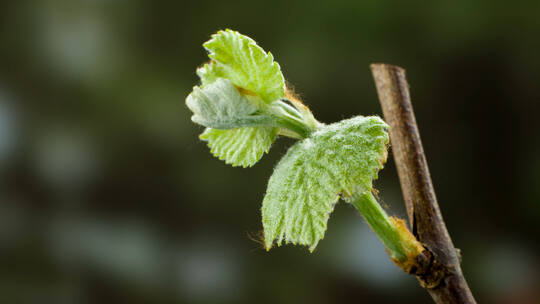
(208, 73)
(219, 105)
(238, 58)
(241, 146)
(341, 159)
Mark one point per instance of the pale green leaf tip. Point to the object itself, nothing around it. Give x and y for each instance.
(233, 146)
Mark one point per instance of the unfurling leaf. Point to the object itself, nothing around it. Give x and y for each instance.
(219, 105)
(242, 146)
(233, 100)
(341, 159)
(238, 58)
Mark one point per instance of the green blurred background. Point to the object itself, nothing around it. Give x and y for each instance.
(107, 195)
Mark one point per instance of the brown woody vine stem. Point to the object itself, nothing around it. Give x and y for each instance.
(439, 269)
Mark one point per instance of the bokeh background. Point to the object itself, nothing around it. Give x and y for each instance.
(107, 195)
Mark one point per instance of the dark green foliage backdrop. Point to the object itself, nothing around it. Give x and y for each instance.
(107, 196)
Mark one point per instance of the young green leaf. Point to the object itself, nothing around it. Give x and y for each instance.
(340, 159)
(239, 59)
(242, 146)
(219, 105)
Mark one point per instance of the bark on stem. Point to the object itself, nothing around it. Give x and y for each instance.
(441, 275)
